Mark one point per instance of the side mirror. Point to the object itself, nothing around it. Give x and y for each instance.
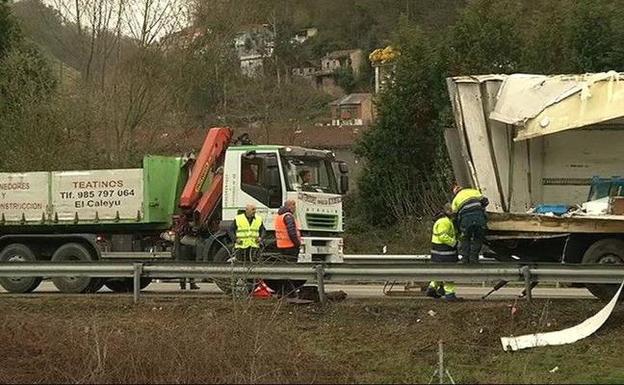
(344, 184)
(343, 167)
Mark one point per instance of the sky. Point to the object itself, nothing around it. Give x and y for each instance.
(159, 17)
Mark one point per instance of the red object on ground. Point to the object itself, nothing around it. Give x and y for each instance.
(262, 290)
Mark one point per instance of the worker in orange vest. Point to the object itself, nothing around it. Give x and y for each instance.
(287, 229)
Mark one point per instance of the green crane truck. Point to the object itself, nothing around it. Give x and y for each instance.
(173, 208)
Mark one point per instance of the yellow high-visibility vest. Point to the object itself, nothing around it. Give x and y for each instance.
(444, 232)
(247, 234)
(464, 196)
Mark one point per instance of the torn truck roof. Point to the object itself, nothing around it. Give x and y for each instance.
(539, 105)
(568, 129)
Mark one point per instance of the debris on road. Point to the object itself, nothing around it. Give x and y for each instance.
(565, 336)
(336, 295)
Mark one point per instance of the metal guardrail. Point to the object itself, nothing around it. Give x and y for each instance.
(393, 258)
(324, 273)
(385, 258)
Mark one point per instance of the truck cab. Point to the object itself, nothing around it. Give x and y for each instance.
(267, 176)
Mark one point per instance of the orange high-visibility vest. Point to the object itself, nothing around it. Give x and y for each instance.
(281, 232)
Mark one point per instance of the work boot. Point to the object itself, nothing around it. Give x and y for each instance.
(182, 285)
(451, 297)
(194, 286)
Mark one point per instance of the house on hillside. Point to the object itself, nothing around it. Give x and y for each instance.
(347, 58)
(304, 34)
(350, 59)
(352, 110)
(306, 70)
(253, 45)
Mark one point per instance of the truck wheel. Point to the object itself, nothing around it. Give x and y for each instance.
(73, 252)
(96, 285)
(17, 252)
(126, 285)
(221, 256)
(605, 251)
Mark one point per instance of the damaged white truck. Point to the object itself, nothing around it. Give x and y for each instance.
(547, 152)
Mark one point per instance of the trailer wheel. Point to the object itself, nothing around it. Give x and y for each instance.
(126, 285)
(73, 252)
(17, 252)
(96, 285)
(605, 251)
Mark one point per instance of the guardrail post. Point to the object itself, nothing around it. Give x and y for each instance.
(526, 272)
(320, 281)
(138, 269)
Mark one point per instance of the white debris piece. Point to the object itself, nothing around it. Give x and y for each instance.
(565, 336)
(596, 207)
(555, 369)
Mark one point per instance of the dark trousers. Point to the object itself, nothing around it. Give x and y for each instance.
(293, 251)
(472, 229)
(249, 254)
(443, 254)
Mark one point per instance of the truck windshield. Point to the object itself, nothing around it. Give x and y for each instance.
(309, 174)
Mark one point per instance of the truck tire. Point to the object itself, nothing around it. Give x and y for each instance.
(606, 251)
(126, 285)
(73, 252)
(96, 285)
(17, 252)
(221, 256)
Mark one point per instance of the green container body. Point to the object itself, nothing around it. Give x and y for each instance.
(163, 181)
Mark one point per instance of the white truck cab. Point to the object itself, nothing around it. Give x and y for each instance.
(268, 176)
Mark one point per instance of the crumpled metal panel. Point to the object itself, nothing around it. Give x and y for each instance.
(541, 105)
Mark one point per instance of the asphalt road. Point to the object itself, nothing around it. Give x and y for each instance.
(356, 291)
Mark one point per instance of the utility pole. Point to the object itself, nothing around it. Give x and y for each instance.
(277, 71)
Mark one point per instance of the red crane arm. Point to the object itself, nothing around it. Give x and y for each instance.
(195, 198)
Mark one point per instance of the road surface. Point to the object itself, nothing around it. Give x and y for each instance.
(353, 291)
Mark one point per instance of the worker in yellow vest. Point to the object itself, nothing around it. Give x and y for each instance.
(443, 250)
(469, 207)
(248, 231)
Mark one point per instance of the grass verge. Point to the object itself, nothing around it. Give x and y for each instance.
(103, 339)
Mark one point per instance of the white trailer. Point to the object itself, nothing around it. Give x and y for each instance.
(526, 140)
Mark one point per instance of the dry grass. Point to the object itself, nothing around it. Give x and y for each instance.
(77, 341)
(104, 339)
(411, 236)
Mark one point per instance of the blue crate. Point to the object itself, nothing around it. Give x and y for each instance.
(556, 209)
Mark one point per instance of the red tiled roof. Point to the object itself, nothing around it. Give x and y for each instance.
(322, 137)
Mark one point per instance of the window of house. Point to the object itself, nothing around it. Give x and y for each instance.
(260, 178)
